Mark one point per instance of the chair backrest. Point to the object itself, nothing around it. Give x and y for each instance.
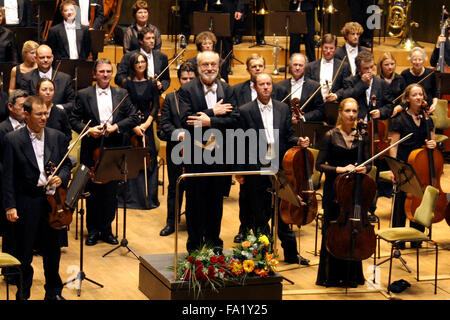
(440, 117)
(425, 211)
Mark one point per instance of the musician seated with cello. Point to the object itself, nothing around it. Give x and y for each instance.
(410, 120)
(338, 155)
(112, 114)
(25, 187)
(269, 114)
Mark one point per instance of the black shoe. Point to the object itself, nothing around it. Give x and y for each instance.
(91, 239)
(109, 239)
(218, 251)
(416, 244)
(292, 258)
(167, 231)
(56, 297)
(261, 42)
(372, 218)
(240, 237)
(303, 261)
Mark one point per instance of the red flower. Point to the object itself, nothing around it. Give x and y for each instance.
(198, 263)
(221, 259)
(213, 259)
(190, 259)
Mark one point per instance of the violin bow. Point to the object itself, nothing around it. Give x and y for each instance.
(171, 62)
(337, 73)
(56, 70)
(422, 80)
(145, 167)
(311, 97)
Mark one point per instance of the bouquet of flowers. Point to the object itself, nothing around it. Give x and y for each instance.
(252, 257)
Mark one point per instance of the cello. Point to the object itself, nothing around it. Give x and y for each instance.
(297, 164)
(351, 237)
(429, 166)
(377, 131)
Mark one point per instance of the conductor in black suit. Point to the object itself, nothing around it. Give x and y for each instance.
(274, 119)
(307, 6)
(157, 61)
(373, 94)
(170, 123)
(302, 88)
(206, 102)
(25, 184)
(96, 103)
(18, 14)
(64, 93)
(67, 40)
(326, 69)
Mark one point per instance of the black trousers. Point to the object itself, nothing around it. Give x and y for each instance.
(32, 228)
(239, 29)
(101, 207)
(360, 15)
(296, 39)
(173, 171)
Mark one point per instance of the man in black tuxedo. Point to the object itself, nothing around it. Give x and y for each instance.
(245, 92)
(206, 102)
(324, 71)
(351, 32)
(302, 88)
(96, 103)
(170, 122)
(274, 118)
(307, 6)
(67, 40)
(15, 121)
(18, 12)
(372, 93)
(83, 16)
(146, 39)
(25, 187)
(64, 93)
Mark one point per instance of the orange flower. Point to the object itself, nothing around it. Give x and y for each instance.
(246, 244)
(261, 272)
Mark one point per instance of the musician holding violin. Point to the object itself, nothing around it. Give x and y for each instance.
(144, 95)
(410, 120)
(25, 187)
(339, 155)
(97, 103)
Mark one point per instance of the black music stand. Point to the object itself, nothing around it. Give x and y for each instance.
(443, 83)
(285, 23)
(331, 112)
(97, 41)
(74, 193)
(5, 75)
(121, 163)
(45, 12)
(79, 70)
(315, 131)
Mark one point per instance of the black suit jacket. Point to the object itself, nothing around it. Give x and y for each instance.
(250, 118)
(5, 127)
(24, 12)
(98, 18)
(341, 52)
(192, 101)
(160, 63)
(243, 93)
(59, 120)
(313, 72)
(170, 116)
(314, 110)
(356, 88)
(64, 93)
(8, 46)
(57, 40)
(86, 109)
(23, 170)
(4, 112)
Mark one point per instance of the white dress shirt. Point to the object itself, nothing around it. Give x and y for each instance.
(71, 39)
(47, 75)
(38, 147)
(11, 12)
(210, 95)
(368, 97)
(352, 52)
(326, 74)
(84, 12)
(267, 118)
(16, 124)
(150, 63)
(104, 104)
(253, 90)
(297, 87)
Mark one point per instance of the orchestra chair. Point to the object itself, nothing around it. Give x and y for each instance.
(441, 121)
(399, 235)
(161, 156)
(8, 262)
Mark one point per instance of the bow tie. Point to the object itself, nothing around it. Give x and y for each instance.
(327, 62)
(70, 27)
(19, 126)
(102, 91)
(267, 107)
(211, 89)
(37, 136)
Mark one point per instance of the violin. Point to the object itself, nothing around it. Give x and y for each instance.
(377, 132)
(429, 167)
(351, 237)
(297, 164)
(61, 215)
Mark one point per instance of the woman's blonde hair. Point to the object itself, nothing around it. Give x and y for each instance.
(385, 56)
(341, 108)
(28, 46)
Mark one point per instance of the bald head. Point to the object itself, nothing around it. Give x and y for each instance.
(264, 87)
(44, 58)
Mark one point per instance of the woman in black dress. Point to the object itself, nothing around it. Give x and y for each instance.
(406, 122)
(417, 72)
(29, 51)
(145, 97)
(338, 154)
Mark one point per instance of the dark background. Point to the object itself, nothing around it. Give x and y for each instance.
(426, 12)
